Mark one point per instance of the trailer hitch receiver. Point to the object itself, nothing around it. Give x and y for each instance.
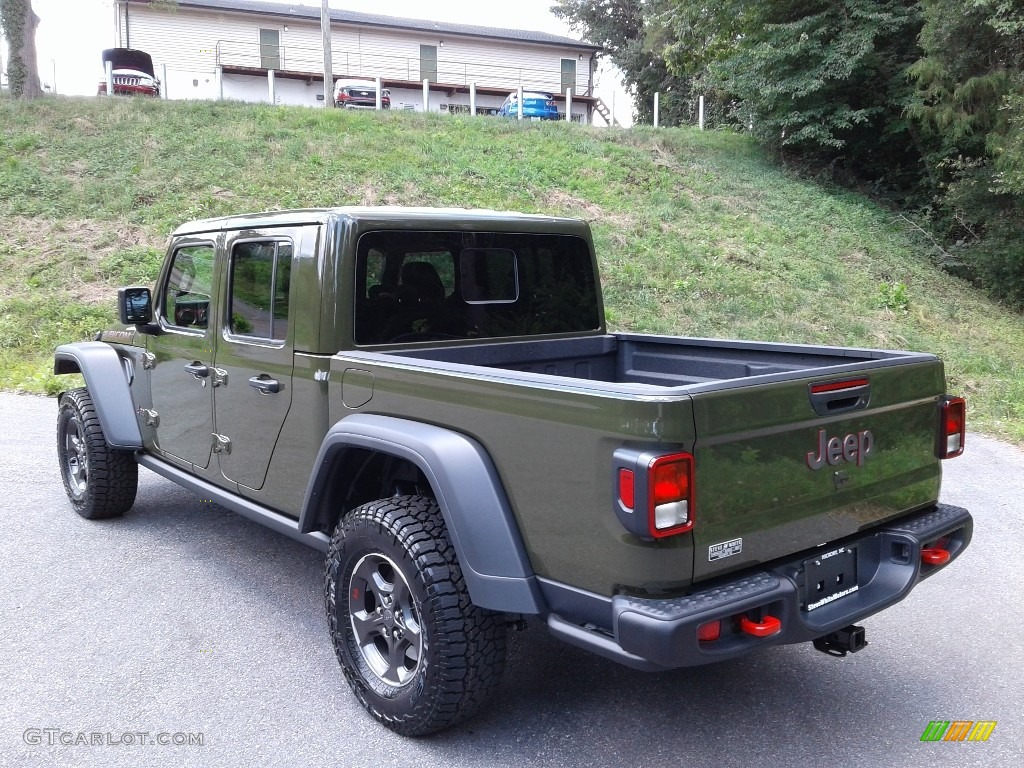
(846, 640)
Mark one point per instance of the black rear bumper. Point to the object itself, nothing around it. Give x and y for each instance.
(663, 633)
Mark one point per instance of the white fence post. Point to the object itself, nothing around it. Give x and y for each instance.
(380, 102)
(163, 81)
(656, 95)
(220, 82)
(519, 103)
(271, 86)
(110, 78)
(426, 95)
(568, 105)
(472, 98)
(700, 111)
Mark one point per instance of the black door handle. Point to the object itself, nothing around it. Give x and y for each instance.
(264, 384)
(197, 369)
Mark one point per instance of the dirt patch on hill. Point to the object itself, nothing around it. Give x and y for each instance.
(65, 256)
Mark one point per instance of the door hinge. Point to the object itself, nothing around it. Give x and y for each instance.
(221, 444)
(149, 418)
(219, 377)
(148, 361)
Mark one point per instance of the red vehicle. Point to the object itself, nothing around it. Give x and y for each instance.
(133, 73)
(360, 94)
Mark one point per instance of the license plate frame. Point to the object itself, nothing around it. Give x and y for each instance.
(830, 576)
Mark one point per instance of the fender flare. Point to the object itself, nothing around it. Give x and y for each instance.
(468, 490)
(107, 383)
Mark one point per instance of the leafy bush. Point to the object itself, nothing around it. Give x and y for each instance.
(997, 265)
(893, 296)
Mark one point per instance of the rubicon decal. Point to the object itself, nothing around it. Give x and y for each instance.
(853, 448)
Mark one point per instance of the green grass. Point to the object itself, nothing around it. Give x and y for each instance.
(697, 233)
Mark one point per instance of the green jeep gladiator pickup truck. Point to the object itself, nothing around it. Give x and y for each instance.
(431, 397)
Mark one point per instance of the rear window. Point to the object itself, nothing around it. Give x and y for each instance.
(424, 286)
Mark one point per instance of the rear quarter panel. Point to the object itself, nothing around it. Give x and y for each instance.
(552, 442)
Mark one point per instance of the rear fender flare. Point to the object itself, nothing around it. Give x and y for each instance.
(468, 490)
(107, 381)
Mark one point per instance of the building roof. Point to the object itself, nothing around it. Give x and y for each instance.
(312, 13)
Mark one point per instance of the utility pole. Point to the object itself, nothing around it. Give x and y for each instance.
(325, 31)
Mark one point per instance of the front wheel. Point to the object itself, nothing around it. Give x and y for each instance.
(100, 481)
(416, 652)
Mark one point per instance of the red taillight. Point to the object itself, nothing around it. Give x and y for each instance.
(670, 498)
(953, 427)
(653, 492)
(627, 492)
(709, 632)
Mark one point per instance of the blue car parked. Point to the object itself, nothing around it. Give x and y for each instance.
(537, 105)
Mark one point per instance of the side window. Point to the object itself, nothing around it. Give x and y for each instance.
(260, 278)
(189, 285)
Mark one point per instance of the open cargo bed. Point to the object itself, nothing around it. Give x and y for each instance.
(661, 361)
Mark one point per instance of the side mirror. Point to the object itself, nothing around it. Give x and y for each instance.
(135, 305)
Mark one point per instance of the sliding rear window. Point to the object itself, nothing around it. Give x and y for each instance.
(428, 286)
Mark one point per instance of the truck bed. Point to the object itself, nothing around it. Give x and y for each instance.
(748, 411)
(657, 361)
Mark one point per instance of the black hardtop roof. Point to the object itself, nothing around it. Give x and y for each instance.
(390, 216)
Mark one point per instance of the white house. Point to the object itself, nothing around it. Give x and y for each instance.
(228, 49)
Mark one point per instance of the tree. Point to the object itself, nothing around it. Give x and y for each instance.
(965, 73)
(19, 23)
(623, 29)
(823, 78)
(969, 103)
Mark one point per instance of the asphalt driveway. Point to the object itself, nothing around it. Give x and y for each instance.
(129, 642)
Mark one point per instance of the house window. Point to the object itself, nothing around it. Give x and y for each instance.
(270, 48)
(428, 63)
(569, 76)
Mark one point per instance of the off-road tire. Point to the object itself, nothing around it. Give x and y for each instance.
(100, 481)
(450, 653)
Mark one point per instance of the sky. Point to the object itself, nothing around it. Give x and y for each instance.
(72, 33)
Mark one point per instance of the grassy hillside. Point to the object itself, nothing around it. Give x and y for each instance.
(697, 233)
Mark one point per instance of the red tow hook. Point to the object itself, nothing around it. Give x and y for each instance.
(935, 556)
(767, 627)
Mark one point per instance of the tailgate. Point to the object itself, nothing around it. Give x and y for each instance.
(787, 466)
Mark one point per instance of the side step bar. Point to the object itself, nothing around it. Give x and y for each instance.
(244, 507)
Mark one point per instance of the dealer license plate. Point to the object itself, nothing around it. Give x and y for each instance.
(829, 577)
